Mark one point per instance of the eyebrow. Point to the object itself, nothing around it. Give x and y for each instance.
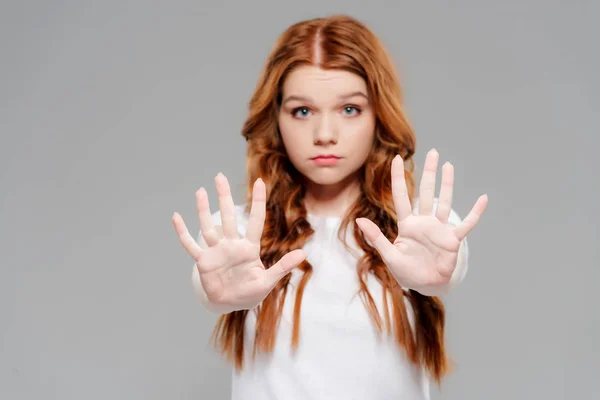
(341, 97)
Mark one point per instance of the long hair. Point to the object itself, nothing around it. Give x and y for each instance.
(338, 42)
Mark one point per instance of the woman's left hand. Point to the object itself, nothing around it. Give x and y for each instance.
(425, 252)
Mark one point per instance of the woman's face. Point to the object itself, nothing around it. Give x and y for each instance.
(326, 123)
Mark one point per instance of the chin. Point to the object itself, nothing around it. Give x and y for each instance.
(326, 177)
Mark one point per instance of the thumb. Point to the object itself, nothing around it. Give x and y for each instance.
(282, 267)
(377, 239)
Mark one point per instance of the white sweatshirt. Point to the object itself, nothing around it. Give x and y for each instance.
(341, 355)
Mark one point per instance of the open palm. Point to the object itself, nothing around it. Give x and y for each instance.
(425, 252)
(231, 271)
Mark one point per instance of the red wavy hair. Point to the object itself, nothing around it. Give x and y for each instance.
(341, 42)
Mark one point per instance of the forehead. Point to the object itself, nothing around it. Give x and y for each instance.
(314, 81)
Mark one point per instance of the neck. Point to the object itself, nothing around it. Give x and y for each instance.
(331, 200)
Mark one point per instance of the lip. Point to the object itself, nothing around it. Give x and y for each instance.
(325, 160)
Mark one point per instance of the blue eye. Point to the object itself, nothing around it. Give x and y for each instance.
(351, 110)
(300, 112)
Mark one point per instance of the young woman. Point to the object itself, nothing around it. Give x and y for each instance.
(327, 278)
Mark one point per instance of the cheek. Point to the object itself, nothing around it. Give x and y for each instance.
(360, 134)
(292, 138)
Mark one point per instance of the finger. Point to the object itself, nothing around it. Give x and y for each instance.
(282, 267)
(372, 232)
(188, 242)
(256, 219)
(445, 199)
(227, 207)
(399, 190)
(427, 186)
(207, 228)
(202, 241)
(471, 220)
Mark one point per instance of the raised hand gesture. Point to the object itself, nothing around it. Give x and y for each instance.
(229, 266)
(424, 255)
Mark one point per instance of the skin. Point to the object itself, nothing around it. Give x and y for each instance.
(327, 112)
(323, 112)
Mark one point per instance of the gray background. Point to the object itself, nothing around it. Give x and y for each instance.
(113, 113)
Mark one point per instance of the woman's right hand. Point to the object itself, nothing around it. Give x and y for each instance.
(229, 266)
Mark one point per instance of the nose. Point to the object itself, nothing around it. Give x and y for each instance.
(325, 131)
